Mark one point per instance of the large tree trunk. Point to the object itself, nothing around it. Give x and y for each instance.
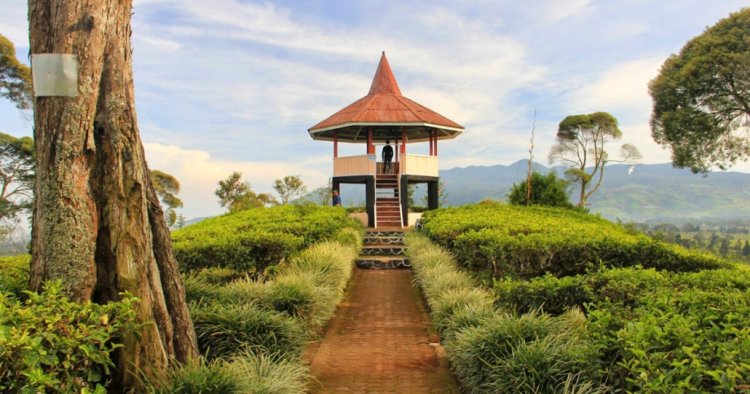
(97, 222)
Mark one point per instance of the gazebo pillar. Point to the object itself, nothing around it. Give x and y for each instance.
(335, 145)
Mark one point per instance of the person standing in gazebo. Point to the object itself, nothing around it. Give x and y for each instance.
(336, 200)
(387, 156)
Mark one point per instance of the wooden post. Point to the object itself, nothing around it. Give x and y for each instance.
(434, 143)
(431, 147)
(403, 140)
(395, 150)
(335, 144)
(370, 148)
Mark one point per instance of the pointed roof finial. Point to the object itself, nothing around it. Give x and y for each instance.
(384, 82)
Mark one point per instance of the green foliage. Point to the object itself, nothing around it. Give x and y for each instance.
(691, 340)
(15, 77)
(289, 187)
(270, 373)
(545, 190)
(167, 187)
(653, 330)
(224, 330)
(580, 147)
(247, 372)
(237, 195)
(50, 344)
(215, 376)
(14, 274)
(701, 97)
(530, 353)
(493, 351)
(529, 241)
(254, 239)
(276, 315)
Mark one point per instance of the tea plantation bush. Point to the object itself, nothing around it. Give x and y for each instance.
(492, 350)
(525, 242)
(655, 330)
(645, 330)
(254, 239)
(14, 274)
(259, 326)
(49, 344)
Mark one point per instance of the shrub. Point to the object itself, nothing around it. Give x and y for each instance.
(255, 239)
(14, 274)
(205, 377)
(50, 344)
(297, 295)
(246, 372)
(531, 353)
(225, 330)
(692, 341)
(548, 293)
(531, 241)
(546, 190)
(272, 373)
(468, 303)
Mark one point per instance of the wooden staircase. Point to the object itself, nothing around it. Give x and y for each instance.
(387, 201)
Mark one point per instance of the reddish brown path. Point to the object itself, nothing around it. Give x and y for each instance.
(380, 341)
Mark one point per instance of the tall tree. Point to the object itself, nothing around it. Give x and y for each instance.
(97, 222)
(15, 77)
(702, 97)
(580, 146)
(16, 175)
(167, 187)
(236, 194)
(289, 187)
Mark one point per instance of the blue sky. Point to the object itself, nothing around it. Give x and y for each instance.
(230, 85)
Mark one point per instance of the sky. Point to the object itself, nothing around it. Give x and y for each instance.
(233, 85)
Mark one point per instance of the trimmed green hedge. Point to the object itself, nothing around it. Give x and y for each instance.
(525, 242)
(255, 239)
(653, 330)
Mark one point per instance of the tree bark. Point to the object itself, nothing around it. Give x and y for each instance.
(97, 223)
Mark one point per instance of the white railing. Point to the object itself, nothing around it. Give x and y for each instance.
(419, 165)
(354, 165)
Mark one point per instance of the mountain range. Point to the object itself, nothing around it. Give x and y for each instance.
(651, 193)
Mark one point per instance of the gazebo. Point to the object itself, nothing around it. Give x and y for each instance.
(385, 114)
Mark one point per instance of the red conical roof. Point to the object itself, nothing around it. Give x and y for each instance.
(384, 82)
(387, 110)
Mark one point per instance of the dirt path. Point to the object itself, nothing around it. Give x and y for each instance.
(379, 341)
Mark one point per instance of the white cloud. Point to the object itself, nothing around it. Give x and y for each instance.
(623, 87)
(561, 9)
(199, 174)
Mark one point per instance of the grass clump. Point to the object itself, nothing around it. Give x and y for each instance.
(492, 350)
(225, 330)
(246, 372)
(529, 353)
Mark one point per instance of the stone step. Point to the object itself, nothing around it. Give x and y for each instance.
(385, 233)
(383, 262)
(384, 240)
(390, 250)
